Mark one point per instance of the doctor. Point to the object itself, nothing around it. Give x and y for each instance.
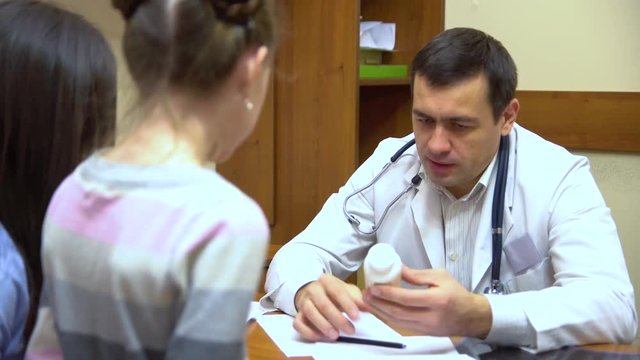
(559, 270)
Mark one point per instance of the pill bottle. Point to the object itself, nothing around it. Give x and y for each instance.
(382, 266)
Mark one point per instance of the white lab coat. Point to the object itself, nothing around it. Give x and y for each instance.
(562, 262)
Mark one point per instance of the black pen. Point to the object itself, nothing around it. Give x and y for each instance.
(355, 340)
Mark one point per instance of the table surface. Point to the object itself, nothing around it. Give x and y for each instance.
(260, 347)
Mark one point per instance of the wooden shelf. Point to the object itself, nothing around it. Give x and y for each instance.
(385, 81)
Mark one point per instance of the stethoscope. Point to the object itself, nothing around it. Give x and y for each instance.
(497, 211)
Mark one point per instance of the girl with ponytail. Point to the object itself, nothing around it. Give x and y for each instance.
(148, 253)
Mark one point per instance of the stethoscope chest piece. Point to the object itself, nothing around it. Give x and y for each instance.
(496, 288)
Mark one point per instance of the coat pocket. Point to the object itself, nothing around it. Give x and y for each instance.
(537, 277)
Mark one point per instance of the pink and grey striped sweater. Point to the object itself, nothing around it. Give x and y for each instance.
(155, 262)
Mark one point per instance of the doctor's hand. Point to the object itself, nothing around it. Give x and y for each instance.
(320, 306)
(445, 308)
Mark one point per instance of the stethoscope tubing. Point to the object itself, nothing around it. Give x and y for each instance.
(414, 183)
(497, 215)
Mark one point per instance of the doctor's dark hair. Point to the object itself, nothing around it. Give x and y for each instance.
(57, 104)
(461, 53)
(190, 45)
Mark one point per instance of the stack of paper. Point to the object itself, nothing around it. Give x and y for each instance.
(377, 35)
(280, 330)
(256, 310)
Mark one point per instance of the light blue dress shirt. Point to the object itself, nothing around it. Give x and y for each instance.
(14, 297)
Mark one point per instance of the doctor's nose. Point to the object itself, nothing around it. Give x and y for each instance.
(439, 141)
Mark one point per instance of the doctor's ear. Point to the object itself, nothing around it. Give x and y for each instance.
(510, 114)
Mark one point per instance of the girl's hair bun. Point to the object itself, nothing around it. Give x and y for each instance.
(239, 12)
(127, 7)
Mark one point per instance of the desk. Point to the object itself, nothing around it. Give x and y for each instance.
(260, 347)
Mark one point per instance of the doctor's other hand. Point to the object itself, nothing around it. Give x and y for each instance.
(444, 308)
(320, 306)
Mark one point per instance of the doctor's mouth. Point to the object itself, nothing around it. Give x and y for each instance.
(438, 168)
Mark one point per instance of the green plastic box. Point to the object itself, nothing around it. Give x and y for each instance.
(382, 71)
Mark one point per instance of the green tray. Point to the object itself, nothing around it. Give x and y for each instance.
(382, 71)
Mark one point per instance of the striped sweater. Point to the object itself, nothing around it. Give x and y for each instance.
(147, 263)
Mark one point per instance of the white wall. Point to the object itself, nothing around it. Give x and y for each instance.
(575, 45)
(109, 21)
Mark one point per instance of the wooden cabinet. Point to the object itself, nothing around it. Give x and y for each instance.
(385, 106)
(321, 121)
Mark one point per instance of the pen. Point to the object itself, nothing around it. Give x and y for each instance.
(354, 340)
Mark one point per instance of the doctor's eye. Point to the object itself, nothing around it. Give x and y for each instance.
(424, 120)
(461, 125)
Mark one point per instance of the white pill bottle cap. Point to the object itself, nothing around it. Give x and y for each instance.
(382, 266)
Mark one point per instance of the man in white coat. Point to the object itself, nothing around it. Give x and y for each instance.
(561, 264)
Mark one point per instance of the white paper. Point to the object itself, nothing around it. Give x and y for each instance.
(371, 356)
(377, 35)
(416, 347)
(370, 327)
(280, 330)
(256, 310)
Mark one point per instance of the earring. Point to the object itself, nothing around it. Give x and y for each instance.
(248, 104)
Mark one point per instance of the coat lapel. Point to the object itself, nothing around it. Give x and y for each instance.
(483, 245)
(427, 214)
